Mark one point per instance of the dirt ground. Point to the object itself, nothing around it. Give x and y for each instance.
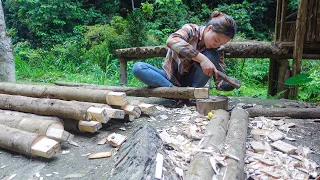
(72, 162)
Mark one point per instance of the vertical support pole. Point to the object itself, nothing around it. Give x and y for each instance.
(283, 18)
(298, 42)
(276, 24)
(283, 67)
(272, 77)
(123, 70)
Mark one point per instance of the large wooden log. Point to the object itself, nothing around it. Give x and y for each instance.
(301, 113)
(166, 92)
(137, 157)
(50, 128)
(200, 167)
(236, 143)
(232, 49)
(64, 93)
(27, 143)
(52, 107)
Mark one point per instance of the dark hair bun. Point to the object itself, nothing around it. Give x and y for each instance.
(216, 14)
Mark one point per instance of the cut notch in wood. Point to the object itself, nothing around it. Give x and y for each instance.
(59, 134)
(89, 126)
(117, 98)
(201, 93)
(115, 113)
(97, 114)
(45, 147)
(132, 110)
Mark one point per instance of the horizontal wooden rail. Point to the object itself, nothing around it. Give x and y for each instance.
(235, 49)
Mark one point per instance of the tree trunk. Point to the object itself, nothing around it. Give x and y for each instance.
(165, 92)
(7, 70)
(236, 143)
(137, 157)
(302, 113)
(200, 167)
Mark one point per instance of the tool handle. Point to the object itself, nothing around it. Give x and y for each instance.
(232, 81)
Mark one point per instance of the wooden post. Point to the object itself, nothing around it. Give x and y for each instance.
(298, 42)
(272, 77)
(283, 66)
(123, 70)
(276, 26)
(283, 17)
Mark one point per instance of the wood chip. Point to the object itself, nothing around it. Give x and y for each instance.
(103, 141)
(257, 146)
(284, 147)
(261, 132)
(116, 139)
(276, 135)
(100, 155)
(272, 174)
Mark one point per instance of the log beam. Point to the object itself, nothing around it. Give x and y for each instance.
(200, 167)
(165, 92)
(27, 143)
(236, 143)
(64, 93)
(50, 107)
(301, 113)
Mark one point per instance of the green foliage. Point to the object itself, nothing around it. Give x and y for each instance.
(136, 29)
(298, 79)
(49, 22)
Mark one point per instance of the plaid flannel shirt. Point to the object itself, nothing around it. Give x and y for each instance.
(183, 45)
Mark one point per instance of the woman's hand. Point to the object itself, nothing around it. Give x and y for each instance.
(207, 66)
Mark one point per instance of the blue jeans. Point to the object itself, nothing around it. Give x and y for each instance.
(154, 77)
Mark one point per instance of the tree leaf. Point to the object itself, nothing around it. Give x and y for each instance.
(298, 79)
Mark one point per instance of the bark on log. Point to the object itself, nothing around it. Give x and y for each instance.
(234, 48)
(204, 106)
(236, 141)
(301, 113)
(59, 92)
(200, 167)
(25, 142)
(165, 92)
(33, 125)
(50, 107)
(137, 157)
(7, 69)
